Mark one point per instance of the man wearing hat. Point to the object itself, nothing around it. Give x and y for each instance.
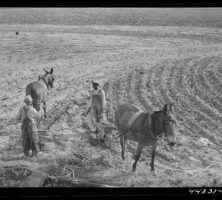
(97, 105)
(29, 116)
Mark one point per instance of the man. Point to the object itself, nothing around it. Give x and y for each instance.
(97, 105)
(29, 116)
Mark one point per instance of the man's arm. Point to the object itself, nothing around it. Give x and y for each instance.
(103, 99)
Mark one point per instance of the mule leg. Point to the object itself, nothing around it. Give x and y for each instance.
(152, 157)
(44, 107)
(137, 156)
(123, 144)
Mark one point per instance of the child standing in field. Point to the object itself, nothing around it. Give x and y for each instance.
(29, 116)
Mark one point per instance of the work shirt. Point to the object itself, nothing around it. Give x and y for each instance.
(97, 98)
(30, 112)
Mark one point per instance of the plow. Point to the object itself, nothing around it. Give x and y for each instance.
(104, 134)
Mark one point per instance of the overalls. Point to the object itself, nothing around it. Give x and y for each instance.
(96, 112)
(96, 108)
(29, 135)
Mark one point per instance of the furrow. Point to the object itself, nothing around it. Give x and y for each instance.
(198, 92)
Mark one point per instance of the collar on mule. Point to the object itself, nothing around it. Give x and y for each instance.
(150, 126)
(43, 83)
(133, 118)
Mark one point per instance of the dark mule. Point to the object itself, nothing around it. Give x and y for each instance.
(146, 129)
(38, 90)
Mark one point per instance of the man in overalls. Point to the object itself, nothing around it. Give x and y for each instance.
(97, 105)
(29, 116)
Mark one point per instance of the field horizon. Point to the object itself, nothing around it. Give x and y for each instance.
(184, 16)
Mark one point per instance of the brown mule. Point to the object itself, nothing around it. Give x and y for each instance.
(146, 129)
(38, 89)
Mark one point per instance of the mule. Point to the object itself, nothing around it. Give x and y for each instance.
(145, 130)
(38, 89)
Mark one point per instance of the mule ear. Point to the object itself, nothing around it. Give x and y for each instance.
(51, 70)
(45, 70)
(171, 107)
(166, 109)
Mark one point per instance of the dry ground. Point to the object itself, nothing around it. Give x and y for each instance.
(145, 65)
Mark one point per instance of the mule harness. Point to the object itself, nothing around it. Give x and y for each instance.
(132, 120)
(41, 81)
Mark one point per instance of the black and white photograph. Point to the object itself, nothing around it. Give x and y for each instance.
(111, 97)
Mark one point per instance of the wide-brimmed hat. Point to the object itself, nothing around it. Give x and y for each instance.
(95, 83)
(28, 99)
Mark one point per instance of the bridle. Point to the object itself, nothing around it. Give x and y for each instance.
(163, 135)
(156, 137)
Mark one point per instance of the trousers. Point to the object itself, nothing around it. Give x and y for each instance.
(30, 138)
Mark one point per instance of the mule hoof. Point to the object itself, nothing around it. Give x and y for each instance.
(134, 172)
(153, 172)
(134, 168)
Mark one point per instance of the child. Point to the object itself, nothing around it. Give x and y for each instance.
(29, 116)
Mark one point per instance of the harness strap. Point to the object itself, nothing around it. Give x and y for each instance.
(96, 92)
(130, 122)
(42, 82)
(133, 118)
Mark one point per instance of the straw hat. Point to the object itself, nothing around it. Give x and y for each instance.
(95, 82)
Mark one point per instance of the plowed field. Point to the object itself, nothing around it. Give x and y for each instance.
(149, 64)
